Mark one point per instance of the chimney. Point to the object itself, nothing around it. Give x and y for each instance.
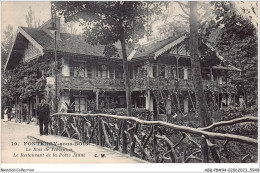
(48, 24)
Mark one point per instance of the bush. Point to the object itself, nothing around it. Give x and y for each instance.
(232, 112)
(245, 129)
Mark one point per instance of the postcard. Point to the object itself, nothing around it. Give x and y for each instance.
(163, 83)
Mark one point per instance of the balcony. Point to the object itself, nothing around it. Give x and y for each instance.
(163, 84)
(227, 88)
(67, 82)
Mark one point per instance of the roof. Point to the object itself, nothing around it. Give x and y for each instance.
(169, 46)
(76, 44)
(68, 43)
(151, 48)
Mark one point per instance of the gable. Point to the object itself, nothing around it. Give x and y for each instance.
(173, 46)
(31, 52)
(181, 49)
(23, 45)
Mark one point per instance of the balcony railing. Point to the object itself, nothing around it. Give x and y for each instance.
(68, 82)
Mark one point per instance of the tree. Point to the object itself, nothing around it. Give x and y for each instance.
(7, 41)
(235, 36)
(108, 22)
(195, 67)
(31, 20)
(68, 27)
(200, 97)
(6, 44)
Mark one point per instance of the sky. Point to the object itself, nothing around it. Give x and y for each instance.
(14, 13)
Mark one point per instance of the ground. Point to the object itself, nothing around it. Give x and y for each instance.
(21, 143)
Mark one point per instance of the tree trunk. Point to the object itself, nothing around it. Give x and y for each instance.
(202, 107)
(126, 74)
(195, 66)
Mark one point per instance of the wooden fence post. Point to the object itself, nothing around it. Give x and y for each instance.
(100, 131)
(132, 150)
(155, 144)
(204, 150)
(124, 139)
(83, 132)
(59, 125)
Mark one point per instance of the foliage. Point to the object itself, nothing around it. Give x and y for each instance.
(26, 79)
(31, 20)
(235, 37)
(108, 22)
(7, 41)
(69, 27)
(103, 21)
(111, 51)
(232, 112)
(70, 105)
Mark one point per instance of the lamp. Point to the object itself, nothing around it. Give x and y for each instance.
(53, 28)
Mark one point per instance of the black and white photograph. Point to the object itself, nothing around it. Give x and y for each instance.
(162, 83)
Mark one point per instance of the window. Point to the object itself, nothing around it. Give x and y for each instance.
(71, 68)
(181, 73)
(154, 70)
(189, 74)
(102, 71)
(119, 71)
(111, 72)
(140, 102)
(205, 73)
(79, 69)
(89, 70)
(138, 71)
(80, 104)
(173, 72)
(162, 71)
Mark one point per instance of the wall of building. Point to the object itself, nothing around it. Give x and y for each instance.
(31, 52)
(65, 67)
(64, 98)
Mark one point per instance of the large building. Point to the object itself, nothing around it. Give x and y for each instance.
(160, 73)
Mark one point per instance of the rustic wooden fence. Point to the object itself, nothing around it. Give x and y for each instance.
(157, 141)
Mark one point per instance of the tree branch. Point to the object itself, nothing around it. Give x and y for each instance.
(181, 5)
(185, 17)
(185, 5)
(230, 122)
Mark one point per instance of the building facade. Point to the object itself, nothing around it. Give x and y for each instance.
(160, 74)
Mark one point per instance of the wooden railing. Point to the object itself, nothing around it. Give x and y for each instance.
(156, 141)
(68, 82)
